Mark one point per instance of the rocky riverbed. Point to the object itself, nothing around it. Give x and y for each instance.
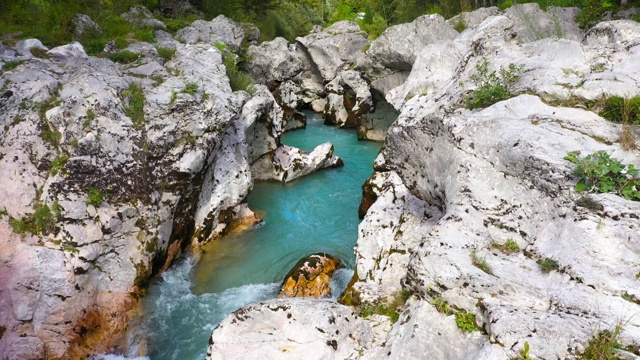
(111, 171)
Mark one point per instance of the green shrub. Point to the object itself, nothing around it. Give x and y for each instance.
(166, 54)
(58, 163)
(390, 310)
(602, 346)
(124, 57)
(190, 88)
(96, 196)
(39, 53)
(509, 247)
(135, 107)
(599, 172)
(466, 321)
(480, 263)
(492, 87)
(42, 221)
(547, 265)
(441, 305)
(238, 79)
(621, 110)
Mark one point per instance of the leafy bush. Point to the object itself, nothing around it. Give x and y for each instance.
(466, 321)
(124, 57)
(603, 346)
(480, 263)
(492, 87)
(509, 247)
(238, 79)
(42, 221)
(621, 110)
(547, 265)
(190, 88)
(96, 196)
(599, 172)
(135, 108)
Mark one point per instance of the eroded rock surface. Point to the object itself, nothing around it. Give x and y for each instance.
(315, 329)
(310, 277)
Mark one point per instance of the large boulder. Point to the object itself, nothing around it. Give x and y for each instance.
(273, 62)
(83, 26)
(399, 45)
(287, 163)
(334, 49)
(315, 329)
(141, 17)
(310, 277)
(348, 100)
(220, 30)
(122, 173)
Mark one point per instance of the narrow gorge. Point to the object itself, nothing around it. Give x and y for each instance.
(151, 208)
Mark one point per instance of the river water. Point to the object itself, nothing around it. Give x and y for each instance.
(318, 213)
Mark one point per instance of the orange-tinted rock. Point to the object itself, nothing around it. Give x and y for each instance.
(311, 276)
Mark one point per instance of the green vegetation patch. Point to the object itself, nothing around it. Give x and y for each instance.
(124, 57)
(621, 110)
(492, 87)
(466, 321)
(42, 221)
(480, 263)
(58, 163)
(509, 247)
(96, 196)
(603, 346)
(600, 173)
(548, 265)
(135, 107)
(390, 310)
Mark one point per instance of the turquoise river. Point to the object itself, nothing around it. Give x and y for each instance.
(318, 213)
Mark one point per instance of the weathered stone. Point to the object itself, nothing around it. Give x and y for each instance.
(315, 329)
(399, 45)
(83, 26)
(334, 49)
(140, 16)
(310, 277)
(288, 163)
(220, 30)
(273, 62)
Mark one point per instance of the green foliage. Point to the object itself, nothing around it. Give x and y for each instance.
(492, 87)
(135, 107)
(589, 203)
(166, 54)
(466, 321)
(480, 263)
(390, 310)
(621, 110)
(174, 96)
(441, 305)
(524, 352)
(96, 196)
(547, 265)
(509, 247)
(39, 53)
(238, 79)
(599, 172)
(42, 221)
(11, 65)
(124, 57)
(603, 345)
(58, 163)
(592, 11)
(190, 88)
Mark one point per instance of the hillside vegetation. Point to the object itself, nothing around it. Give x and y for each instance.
(50, 20)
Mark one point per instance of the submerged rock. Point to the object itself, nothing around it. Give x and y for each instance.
(310, 277)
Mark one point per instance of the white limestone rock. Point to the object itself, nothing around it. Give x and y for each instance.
(334, 49)
(291, 329)
(273, 62)
(399, 45)
(220, 30)
(288, 163)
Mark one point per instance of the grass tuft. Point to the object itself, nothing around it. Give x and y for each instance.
(548, 265)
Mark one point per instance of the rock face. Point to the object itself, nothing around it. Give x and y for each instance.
(220, 30)
(84, 26)
(315, 329)
(273, 62)
(310, 277)
(287, 163)
(140, 16)
(452, 186)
